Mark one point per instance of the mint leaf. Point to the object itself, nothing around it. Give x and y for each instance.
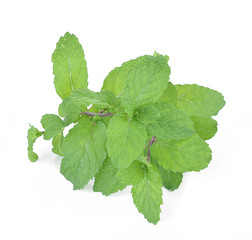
(115, 81)
(205, 127)
(133, 174)
(57, 143)
(169, 95)
(199, 101)
(192, 154)
(33, 134)
(146, 82)
(147, 195)
(170, 179)
(106, 180)
(147, 114)
(87, 97)
(69, 110)
(173, 124)
(84, 150)
(126, 140)
(52, 124)
(69, 65)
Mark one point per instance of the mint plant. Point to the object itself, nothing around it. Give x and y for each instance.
(139, 130)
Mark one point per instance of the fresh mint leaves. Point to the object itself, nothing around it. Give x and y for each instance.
(140, 130)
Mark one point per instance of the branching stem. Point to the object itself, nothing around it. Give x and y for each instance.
(101, 114)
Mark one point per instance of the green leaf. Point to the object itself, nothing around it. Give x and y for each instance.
(52, 124)
(69, 65)
(84, 151)
(115, 81)
(199, 101)
(170, 179)
(147, 195)
(69, 110)
(33, 134)
(173, 124)
(192, 154)
(57, 143)
(87, 97)
(147, 114)
(145, 82)
(133, 174)
(205, 127)
(126, 140)
(106, 180)
(169, 95)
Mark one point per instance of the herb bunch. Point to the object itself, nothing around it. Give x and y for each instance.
(139, 130)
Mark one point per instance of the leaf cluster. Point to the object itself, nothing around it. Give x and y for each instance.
(139, 130)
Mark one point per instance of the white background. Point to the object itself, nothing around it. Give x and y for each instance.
(209, 43)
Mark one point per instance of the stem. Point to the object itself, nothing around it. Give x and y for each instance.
(100, 114)
(153, 139)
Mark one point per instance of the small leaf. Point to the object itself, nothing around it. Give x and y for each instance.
(170, 179)
(33, 134)
(70, 111)
(205, 127)
(52, 124)
(69, 65)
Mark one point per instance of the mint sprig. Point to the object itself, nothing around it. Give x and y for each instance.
(139, 130)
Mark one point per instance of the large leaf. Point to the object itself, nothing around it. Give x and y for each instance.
(145, 82)
(199, 101)
(106, 180)
(84, 151)
(192, 154)
(173, 124)
(69, 65)
(52, 124)
(147, 195)
(126, 140)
